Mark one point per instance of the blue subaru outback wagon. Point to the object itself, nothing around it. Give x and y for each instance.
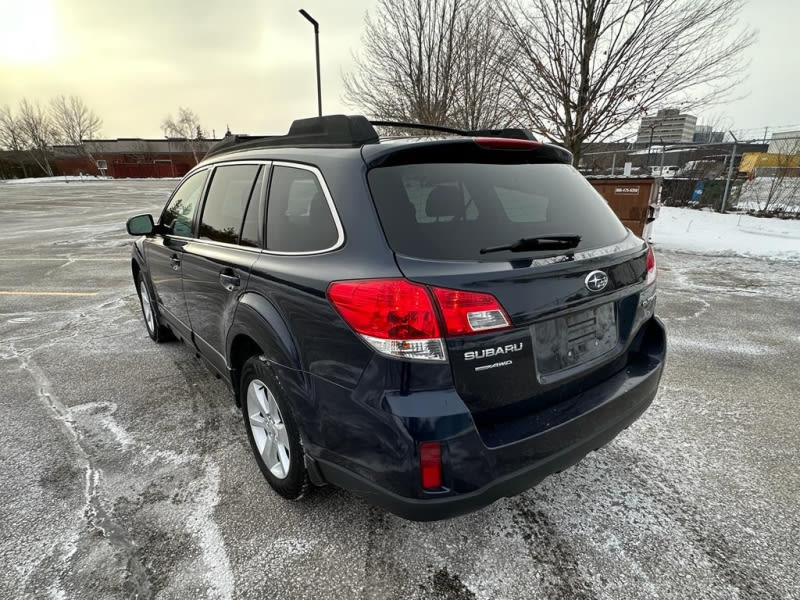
(430, 322)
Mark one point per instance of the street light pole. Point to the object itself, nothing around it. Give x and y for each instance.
(650, 143)
(730, 170)
(311, 20)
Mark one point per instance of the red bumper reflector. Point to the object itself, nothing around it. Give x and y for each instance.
(652, 270)
(430, 463)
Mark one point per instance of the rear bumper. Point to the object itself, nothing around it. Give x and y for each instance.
(431, 509)
(593, 419)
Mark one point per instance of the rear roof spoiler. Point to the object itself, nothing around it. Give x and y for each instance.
(352, 131)
(516, 133)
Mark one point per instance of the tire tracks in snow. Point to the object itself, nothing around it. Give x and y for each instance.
(137, 583)
(91, 428)
(727, 561)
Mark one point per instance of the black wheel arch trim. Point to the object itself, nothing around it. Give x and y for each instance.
(137, 256)
(258, 319)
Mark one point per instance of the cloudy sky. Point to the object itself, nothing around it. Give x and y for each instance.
(250, 63)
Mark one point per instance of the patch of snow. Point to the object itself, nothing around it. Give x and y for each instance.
(56, 179)
(56, 593)
(724, 346)
(106, 410)
(212, 544)
(80, 179)
(705, 232)
(784, 192)
(293, 546)
(20, 320)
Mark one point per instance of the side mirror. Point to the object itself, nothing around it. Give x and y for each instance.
(140, 225)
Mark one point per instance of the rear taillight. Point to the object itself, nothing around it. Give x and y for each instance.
(470, 312)
(394, 316)
(398, 318)
(430, 465)
(652, 271)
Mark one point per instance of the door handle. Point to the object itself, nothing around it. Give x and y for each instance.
(175, 261)
(229, 281)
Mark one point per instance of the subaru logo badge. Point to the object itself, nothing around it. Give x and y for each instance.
(596, 281)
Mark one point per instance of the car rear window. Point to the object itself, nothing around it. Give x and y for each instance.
(449, 211)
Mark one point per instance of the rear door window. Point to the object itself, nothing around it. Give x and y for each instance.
(251, 228)
(449, 211)
(299, 218)
(226, 201)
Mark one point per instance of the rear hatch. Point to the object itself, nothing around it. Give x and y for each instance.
(448, 207)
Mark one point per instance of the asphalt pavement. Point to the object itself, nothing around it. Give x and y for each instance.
(126, 471)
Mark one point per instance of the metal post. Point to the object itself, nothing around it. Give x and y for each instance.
(169, 153)
(661, 171)
(730, 171)
(311, 20)
(613, 162)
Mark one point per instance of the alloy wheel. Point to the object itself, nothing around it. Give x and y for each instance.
(268, 428)
(147, 307)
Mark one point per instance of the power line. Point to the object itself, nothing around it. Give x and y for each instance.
(678, 147)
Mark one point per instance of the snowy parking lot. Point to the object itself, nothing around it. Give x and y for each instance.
(126, 471)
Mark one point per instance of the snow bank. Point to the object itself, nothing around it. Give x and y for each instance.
(81, 179)
(705, 232)
(782, 193)
(55, 179)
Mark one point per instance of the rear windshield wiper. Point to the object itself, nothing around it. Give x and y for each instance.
(543, 242)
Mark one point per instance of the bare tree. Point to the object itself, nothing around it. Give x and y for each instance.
(74, 122)
(712, 128)
(483, 63)
(11, 136)
(187, 127)
(430, 61)
(38, 131)
(776, 189)
(588, 68)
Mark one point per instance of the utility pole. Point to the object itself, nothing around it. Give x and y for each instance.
(311, 20)
(730, 171)
(652, 127)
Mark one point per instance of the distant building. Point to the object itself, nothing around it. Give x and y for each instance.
(705, 134)
(131, 157)
(669, 125)
(14, 165)
(753, 162)
(786, 142)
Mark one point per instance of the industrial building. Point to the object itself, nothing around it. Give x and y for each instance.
(131, 157)
(785, 142)
(669, 126)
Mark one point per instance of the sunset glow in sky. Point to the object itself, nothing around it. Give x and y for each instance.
(28, 33)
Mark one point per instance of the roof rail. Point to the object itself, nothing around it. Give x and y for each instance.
(331, 130)
(509, 132)
(351, 131)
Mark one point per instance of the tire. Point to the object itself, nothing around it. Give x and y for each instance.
(157, 332)
(272, 430)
